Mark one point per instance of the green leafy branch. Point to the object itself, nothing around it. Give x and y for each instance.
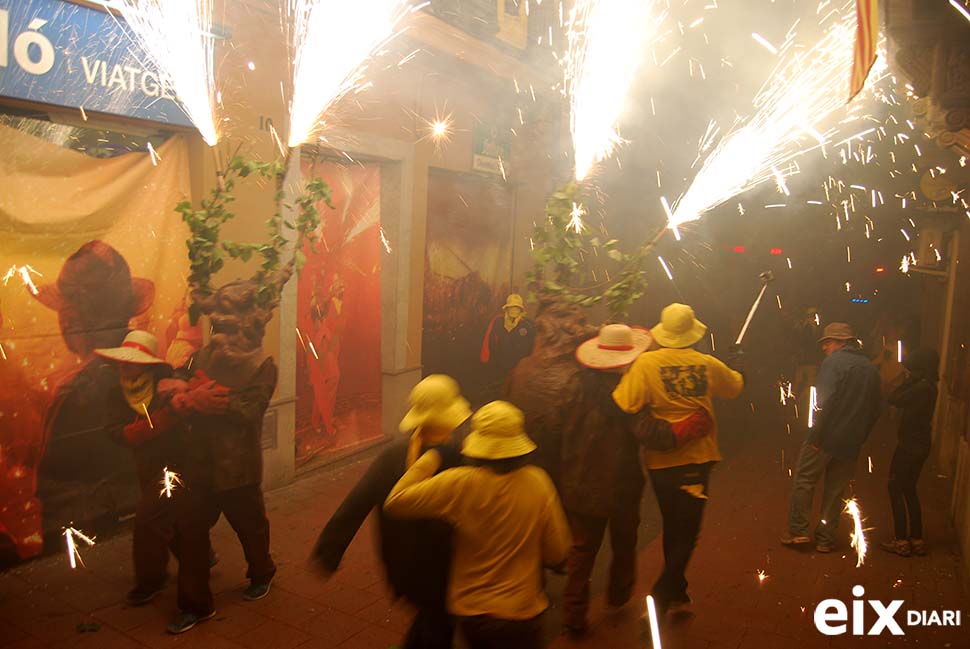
(207, 253)
(564, 252)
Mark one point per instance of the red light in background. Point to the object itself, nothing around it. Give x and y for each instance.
(880, 269)
(738, 248)
(775, 251)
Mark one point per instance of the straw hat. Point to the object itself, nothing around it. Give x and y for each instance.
(138, 347)
(435, 399)
(678, 327)
(498, 433)
(615, 346)
(837, 331)
(514, 300)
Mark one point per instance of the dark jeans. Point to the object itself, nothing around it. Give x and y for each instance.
(587, 534)
(487, 632)
(152, 537)
(813, 464)
(432, 628)
(682, 495)
(244, 509)
(903, 476)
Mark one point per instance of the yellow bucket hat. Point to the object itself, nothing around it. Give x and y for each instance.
(435, 399)
(678, 328)
(514, 299)
(498, 433)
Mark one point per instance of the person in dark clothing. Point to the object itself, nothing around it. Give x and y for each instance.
(848, 406)
(154, 438)
(509, 338)
(602, 482)
(416, 553)
(916, 400)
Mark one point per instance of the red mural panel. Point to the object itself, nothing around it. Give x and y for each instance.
(338, 370)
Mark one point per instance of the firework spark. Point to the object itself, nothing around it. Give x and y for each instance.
(177, 37)
(576, 218)
(858, 535)
(606, 40)
(24, 272)
(762, 576)
(802, 91)
(812, 405)
(73, 555)
(170, 480)
(653, 622)
(329, 44)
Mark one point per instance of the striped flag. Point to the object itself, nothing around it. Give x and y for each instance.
(866, 35)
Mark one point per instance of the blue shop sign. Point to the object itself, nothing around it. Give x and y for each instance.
(64, 54)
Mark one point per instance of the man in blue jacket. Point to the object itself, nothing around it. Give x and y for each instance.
(848, 388)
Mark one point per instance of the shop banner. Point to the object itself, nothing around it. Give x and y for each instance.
(63, 54)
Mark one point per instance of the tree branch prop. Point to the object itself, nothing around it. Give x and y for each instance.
(207, 253)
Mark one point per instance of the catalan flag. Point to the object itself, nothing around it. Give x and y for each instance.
(866, 35)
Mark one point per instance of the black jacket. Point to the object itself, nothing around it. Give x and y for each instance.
(416, 553)
(916, 399)
(849, 399)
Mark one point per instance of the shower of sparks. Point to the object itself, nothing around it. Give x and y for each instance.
(804, 89)
(784, 392)
(762, 576)
(177, 37)
(24, 272)
(764, 43)
(606, 40)
(653, 622)
(170, 480)
(329, 44)
(385, 242)
(812, 405)
(665, 267)
(899, 351)
(858, 535)
(576, 218)
(70, 536)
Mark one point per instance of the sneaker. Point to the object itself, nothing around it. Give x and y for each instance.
(792, 539)
(897, 546)
(918, 546)
(140, 596)
(257, 590)
(184, 621)
(824, 548)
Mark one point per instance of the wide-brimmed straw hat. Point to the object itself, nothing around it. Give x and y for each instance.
(678, 327)
(138, 347)
(436, 399)
(498, 433)
(837, 331)
(615, 346)
(514, 300)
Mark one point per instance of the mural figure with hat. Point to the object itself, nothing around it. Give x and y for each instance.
(507, 522)
(916, 399)
(508, 339)
(677, 381)
(848, 404)
(416, 553)
(155, 437)
(602, 482)
(84, 475)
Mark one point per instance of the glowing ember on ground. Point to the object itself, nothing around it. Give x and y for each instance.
(606, 42)
(177, 37)
(73, 556)
(858, 535)
(170, 480)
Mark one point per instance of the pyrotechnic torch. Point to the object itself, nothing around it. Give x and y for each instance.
(766, 278)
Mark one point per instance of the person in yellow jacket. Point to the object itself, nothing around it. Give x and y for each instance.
(675, 381)
(508, 524)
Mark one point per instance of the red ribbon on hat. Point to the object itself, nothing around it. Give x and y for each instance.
(616, 348)
(138, 346)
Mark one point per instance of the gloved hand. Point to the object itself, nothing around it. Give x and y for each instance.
(695, 427)
(167, 388)
(653, 433)
(198, 379)
(735, 358)
(207, 399)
